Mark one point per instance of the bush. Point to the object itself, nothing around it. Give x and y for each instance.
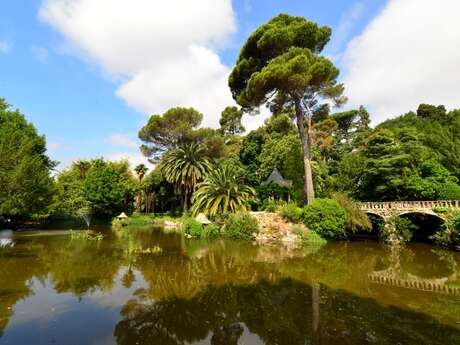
(271, 205)
(326, 218)
(449, 235)
(241, 226)
(211, 230)
(405, 228)
(357, 220)
(308, 237)
(192, 227)
(290, 212)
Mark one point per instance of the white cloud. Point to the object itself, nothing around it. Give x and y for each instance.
(342, 32)
(407, 55)
(124, 140)
(164, 51)
(252, 122)
(5, 47)
(40, 53)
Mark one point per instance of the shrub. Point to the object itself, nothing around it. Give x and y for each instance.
(357, 220)
(271, 205)
(211, 230)
(326, 218)
(405, 228)
(290, 212)
(241, 226)
(308, 237)
(192, 227)
(449, 235)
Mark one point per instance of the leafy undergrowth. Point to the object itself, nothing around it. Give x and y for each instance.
(308, 237)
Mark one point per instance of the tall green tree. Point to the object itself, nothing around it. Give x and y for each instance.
(230, 121)
(26, 186)
(185, 167)
(106, 188)
(281, 59)
(177, 126)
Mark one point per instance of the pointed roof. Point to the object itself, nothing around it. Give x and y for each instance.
(122, 215)
(277, 178)
(203, 219)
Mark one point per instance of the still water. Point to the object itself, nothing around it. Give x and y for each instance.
(58, 290)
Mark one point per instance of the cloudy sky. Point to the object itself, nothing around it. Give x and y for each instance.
(88, 73)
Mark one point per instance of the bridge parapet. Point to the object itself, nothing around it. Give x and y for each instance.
(409, 205)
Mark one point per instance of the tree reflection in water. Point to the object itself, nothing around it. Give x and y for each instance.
(278, 313)
(224, 292)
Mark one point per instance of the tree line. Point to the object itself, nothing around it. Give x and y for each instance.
(415, 156)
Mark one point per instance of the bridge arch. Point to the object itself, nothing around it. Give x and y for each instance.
(427, 224)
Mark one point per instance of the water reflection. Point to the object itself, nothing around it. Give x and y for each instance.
(224, 292)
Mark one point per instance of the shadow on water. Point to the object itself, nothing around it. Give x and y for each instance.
(54, 290)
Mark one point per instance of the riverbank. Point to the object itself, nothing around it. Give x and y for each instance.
(261, 227)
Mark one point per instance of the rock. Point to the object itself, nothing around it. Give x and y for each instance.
(171, 225)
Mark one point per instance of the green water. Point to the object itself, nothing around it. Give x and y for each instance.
(54, 290)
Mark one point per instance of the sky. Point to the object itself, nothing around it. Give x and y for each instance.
(89, 73)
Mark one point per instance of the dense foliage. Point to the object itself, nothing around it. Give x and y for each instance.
(185, 167)
(280, 62)
(26, 186)
(412, 157)
(97, 188)
(336, 156)
(326, 218)
(241, 225)
(222, 191)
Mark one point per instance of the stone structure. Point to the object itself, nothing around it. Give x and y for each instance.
(276, 177)
(388, 210)
(387, 277)
(399, 208)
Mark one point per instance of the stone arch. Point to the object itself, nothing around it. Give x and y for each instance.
(428, 224)
(375, 218)
(376, 214)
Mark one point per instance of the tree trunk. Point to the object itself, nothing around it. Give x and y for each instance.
(185, 209)
(305, 138)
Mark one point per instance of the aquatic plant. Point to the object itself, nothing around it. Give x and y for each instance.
(87, 235)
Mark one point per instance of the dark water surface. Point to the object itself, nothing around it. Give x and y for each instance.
(54, 290)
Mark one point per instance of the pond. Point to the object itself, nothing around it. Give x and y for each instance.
(125, 290)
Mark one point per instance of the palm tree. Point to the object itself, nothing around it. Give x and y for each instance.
(222, 191)
(140, 170)
(185, 167)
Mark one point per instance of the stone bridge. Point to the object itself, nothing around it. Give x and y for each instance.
(389, 209)
(439, 285)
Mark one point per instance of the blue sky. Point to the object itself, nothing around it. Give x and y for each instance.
(88, 81)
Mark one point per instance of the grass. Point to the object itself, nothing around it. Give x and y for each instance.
(139, 219)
